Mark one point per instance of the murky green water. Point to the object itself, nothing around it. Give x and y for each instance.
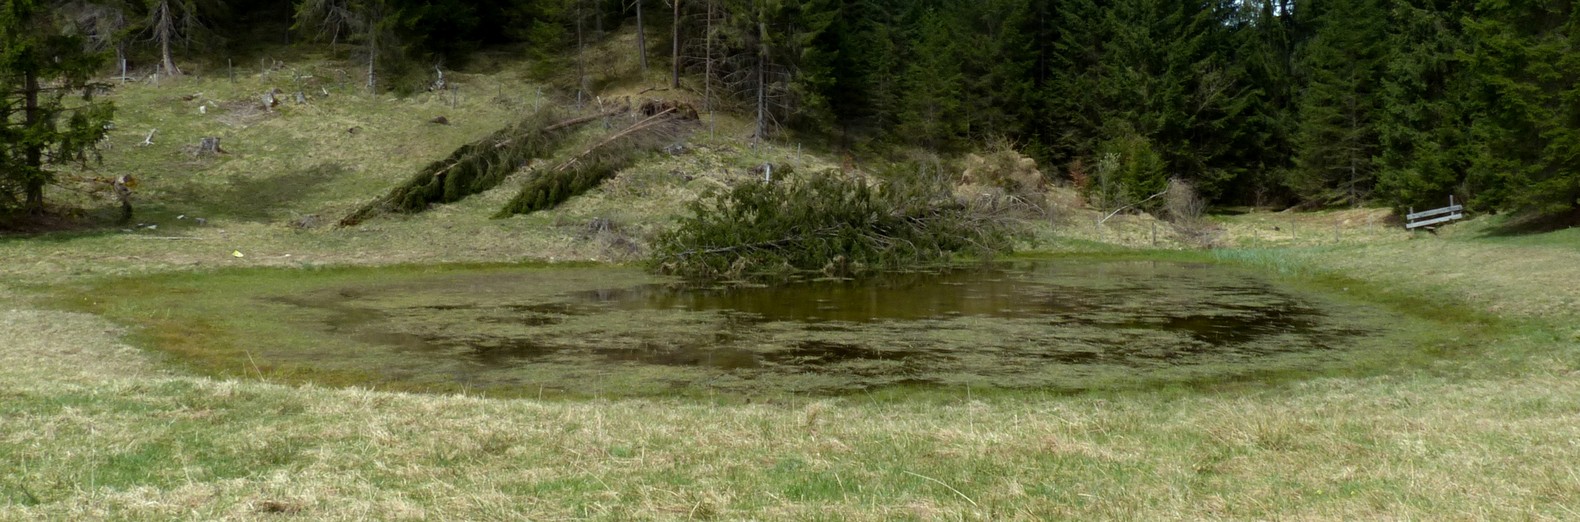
(601, 331)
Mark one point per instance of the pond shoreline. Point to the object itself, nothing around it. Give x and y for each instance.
(208, 324)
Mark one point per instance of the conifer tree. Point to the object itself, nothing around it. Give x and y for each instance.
(373, 23)
(1073, 121)
(1423, 129)
(862, 45)
(170, 21)
(931, 104)
(48, 114)
(1161, 76)
(1336, 139)
(1526, 135)
(1264, 59)
(1033, 55)
(995, 55)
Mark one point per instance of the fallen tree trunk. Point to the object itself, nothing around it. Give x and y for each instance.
(591, 167)
(477, 166)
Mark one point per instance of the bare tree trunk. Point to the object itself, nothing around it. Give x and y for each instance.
(164, 31)
(707, 71)
(641, 36)
(762, 74)
(674, 75)
(34, 153)
(373, 56)
(707, 63)
(581, 70)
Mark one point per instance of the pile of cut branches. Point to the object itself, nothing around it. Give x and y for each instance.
(826, 222)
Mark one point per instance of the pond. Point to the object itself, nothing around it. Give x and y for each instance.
(599, 331)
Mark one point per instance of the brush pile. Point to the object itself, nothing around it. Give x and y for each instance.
(829, 223)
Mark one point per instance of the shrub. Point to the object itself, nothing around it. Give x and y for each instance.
(1128, 171)
(1182, 204)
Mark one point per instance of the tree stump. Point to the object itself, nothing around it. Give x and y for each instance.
(209, 146)
(271, 99)
(122, 186)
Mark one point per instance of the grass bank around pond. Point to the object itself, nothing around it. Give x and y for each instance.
(90, 427)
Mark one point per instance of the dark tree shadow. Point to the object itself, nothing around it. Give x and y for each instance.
(54, 223)
(1531, 224)
(256, 199)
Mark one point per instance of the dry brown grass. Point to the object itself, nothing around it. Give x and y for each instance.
(1389, 447)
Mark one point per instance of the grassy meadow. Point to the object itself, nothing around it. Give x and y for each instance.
(1482, 422)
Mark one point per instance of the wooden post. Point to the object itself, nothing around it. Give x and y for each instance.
(1154, 233)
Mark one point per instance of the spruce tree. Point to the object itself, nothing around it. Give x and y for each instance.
(1336, 139)
(171, 22)
(931, 104)
(48, 114)
(375, 24)
(1264, 60)
(1163, 77)
(1072, 124)
(1526, 136)
(1424, 125)
(996, 56)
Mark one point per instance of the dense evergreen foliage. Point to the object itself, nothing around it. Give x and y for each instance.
(47, 111)
(1320, 102)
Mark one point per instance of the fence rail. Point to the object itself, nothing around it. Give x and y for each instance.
(1435, 216)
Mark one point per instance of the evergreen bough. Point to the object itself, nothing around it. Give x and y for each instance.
(473, 168)
(587, 170)
(552, 188)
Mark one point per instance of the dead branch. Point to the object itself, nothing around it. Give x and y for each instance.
(584, 119)
(638, 126)
(1121, 209)
(757, 246)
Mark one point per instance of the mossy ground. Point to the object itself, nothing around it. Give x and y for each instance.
(93, 427)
